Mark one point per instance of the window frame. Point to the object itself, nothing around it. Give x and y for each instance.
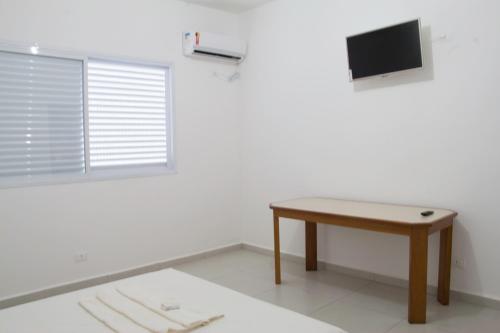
(93, 174)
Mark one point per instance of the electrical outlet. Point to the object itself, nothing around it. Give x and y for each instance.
(459, 263)
(80, 257)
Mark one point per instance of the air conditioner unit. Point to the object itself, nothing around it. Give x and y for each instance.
(215, 46)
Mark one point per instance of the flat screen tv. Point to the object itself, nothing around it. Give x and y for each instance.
(387, 50)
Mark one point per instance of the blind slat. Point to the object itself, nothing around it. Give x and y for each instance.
(118, 135)
(128, 150)
(121, 103)
(129, 162)
(121, 80)
(6, 57)
(44, 110)
(34, 158)
(128, 127)
(115, 156)
(128, 145)
(41, 115)
(41, 163)
(29, 94)
(123, 88)
(129, 68)
(100, 110)
(35, 171)
(113, 139)
(40, 144)
(11, 150)
(126, 96)
(127, 114)
(39, 121)
(33, 82)
(12, 74)
(12, 88)
(120, 121)
(100, 73)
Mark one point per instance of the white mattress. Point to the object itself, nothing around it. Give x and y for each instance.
(242, 313)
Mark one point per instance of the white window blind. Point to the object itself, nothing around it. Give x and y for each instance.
(41, 115)
(128, 114)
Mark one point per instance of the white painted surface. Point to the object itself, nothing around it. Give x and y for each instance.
(215, 47)
(234, 6)
(423, 138)
(426, 138)
(63, 314)
(126, 223)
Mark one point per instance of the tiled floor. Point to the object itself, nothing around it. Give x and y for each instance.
(356, 305)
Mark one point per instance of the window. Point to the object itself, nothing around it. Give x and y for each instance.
(41, 116)
(127, 114)
(71, 118)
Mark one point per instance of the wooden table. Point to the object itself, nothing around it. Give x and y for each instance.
(394, 219)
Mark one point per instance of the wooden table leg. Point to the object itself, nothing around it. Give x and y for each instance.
(277, 263)
(443, 295)
(417, 300)
(311, 246)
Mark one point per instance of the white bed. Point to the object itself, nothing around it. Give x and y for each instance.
(242, 313)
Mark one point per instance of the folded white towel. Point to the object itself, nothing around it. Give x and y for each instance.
(138, 313)
(149, 300)
(188, 318)
(110, 318)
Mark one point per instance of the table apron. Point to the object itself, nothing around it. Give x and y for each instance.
(344, 221)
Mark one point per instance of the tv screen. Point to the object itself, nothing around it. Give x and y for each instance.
(385, 50)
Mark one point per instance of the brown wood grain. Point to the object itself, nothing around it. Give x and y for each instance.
(446, 236)
(350, 222)
(441, 224)
(311, 246)
(277, 259)
(418, 233)
(417, 295)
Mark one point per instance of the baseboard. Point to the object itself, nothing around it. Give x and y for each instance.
(389, 280)
(94, 281)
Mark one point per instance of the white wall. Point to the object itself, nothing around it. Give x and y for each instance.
(126, 223)
(426, 138)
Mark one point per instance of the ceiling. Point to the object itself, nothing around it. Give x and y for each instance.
(234, 6)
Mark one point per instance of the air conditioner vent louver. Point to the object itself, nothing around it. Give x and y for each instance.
(226, 56)
(209, 45)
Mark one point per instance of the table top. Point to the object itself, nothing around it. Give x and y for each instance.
(365, 210)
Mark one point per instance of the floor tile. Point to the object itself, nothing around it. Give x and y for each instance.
(206, 268)
(267, 273)
(356, 319)
(296, 299)
(405, 327)
(354, 304)
(290, 271)
(245, 283)
(382, 298)
(461, 317)
(323, 279)
(247, 259)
